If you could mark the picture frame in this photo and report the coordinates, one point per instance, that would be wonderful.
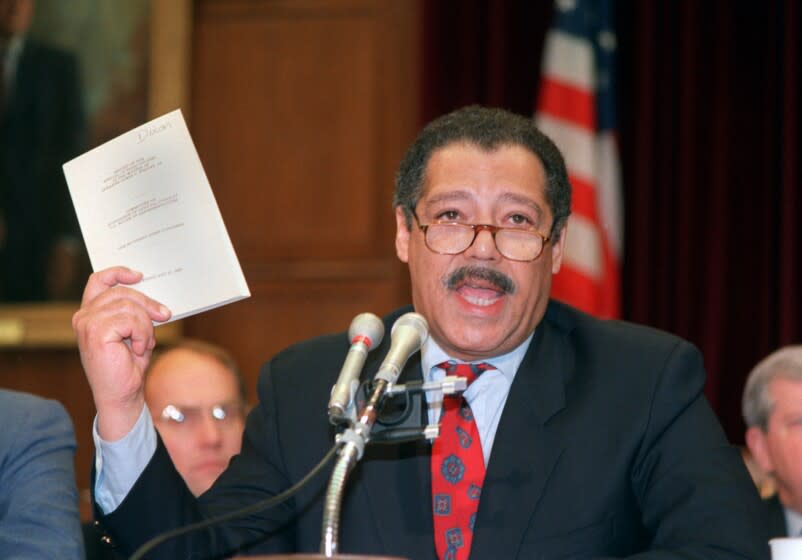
(49, 324)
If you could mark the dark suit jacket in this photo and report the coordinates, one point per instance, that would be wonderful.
(42, 126)
(94, 545)
(776, 517)
(606, 448)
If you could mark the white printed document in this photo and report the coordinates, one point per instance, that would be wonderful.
(143, 201)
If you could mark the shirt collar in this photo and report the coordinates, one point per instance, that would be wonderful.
(793, 521)
(432, 354)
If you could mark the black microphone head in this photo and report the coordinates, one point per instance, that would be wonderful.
(367, 328)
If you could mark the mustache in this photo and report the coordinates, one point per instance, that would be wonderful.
(500, 281)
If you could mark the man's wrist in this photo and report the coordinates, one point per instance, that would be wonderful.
(115, 422)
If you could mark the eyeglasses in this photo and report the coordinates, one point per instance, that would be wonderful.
(223, 414)
(452, 238)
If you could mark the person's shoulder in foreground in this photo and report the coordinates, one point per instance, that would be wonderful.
(38, 497)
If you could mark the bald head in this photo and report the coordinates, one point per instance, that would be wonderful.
(195, 396)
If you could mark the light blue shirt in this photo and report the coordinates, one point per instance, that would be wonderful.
(793, 521)
(487, 395)
(118, 464)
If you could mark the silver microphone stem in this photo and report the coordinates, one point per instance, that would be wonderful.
(355, 440)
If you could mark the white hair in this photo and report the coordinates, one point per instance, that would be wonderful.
(757, 402)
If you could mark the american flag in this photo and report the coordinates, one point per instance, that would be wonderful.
(576, 109)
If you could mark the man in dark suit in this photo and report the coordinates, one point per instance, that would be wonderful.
(42, 125)
(772, 409)
(596, 437)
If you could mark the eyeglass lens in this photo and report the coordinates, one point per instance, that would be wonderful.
(222, 413)
(453, 239)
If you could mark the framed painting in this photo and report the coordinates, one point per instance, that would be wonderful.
(133, 60)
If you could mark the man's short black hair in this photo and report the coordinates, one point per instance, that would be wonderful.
(488, 129)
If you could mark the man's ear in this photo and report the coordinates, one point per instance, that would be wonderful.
(757, 442)
(558, 250)
(401, 235)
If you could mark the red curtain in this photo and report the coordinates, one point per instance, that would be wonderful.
(711, 137)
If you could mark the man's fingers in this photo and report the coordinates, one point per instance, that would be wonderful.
(107, 278)
(122, 307)
(110, 283)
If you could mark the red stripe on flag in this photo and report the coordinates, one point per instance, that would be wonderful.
(567, 102)
(574, 288)
(610, 288)
(599, 298)
(583, 199)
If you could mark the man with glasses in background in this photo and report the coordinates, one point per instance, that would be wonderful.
(196, 397)
(576, 438)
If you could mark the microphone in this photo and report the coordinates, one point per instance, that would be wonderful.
(407, 335)
(365, 333)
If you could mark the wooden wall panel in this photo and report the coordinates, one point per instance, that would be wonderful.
(301, 111)
(288, 106)
(285, 312)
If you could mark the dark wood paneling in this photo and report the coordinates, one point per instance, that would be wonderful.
(301, 111)
(283, 312)
(288, 116)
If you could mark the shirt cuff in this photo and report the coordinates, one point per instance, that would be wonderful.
(118, 464)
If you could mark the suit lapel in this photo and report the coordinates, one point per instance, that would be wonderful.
(776, 517)
(525, 450)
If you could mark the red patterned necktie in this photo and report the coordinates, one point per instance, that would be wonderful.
(458, 470)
